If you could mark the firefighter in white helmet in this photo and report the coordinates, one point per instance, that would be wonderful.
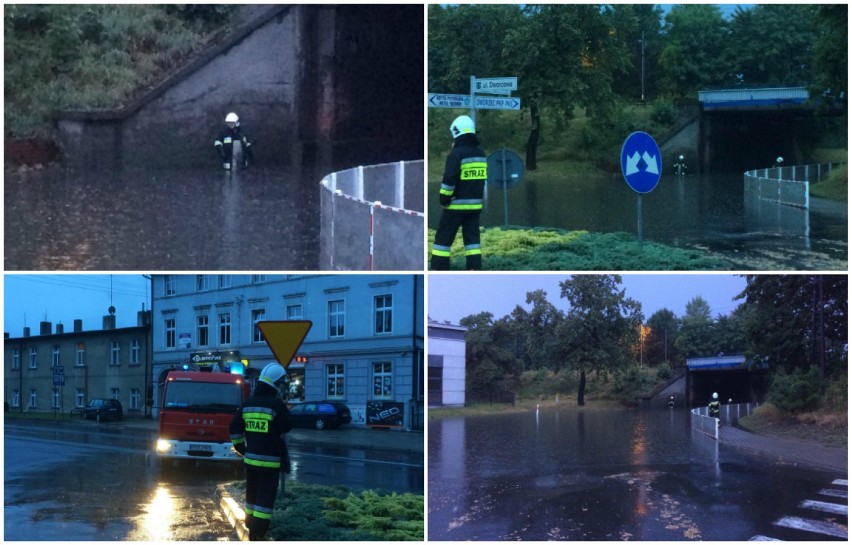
(713, 406)
(257, 433)
(231, 137)
(461, 196)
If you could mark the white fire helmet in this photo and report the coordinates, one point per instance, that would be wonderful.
(715, 395)
(462, 125)
(232, 118)
(274, 375)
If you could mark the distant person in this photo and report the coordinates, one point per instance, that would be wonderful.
(232, 140)
(680, 166)
(713, 406)
(257, 433)
(461, 196)
(671, 402)
(779, 162)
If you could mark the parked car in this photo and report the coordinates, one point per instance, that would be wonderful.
(320, 414)
(103, 409)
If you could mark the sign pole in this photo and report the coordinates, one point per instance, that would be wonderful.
(505, 189)
(473, 99)
(639, 215)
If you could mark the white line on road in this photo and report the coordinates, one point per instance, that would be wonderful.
(834, 508)
(813, 526)
(347, 459)
(840, 482)
(834, 493)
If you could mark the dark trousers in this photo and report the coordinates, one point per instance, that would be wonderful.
(261, 490)
(448, 226)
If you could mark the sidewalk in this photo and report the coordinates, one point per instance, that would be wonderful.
(796, 452)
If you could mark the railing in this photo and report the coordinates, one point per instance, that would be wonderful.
(729, 415)
(373, 218)
(785, 185)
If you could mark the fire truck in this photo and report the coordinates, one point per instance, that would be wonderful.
(197, 408)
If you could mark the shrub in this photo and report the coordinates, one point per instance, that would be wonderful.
(796, 392)
(664, 372)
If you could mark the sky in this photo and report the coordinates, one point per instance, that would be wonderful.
(30, 298)
(455, 296)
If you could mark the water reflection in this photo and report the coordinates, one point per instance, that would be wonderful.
(576, 474)
(159, 514)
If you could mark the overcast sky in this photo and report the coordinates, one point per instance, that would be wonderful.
(455, 296)
(31, 298)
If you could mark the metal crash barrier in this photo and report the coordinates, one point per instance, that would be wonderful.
(785, 185)
(373, 218)
(729, 415)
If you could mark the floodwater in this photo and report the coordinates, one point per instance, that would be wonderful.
(577, 474)
(179, 219)
(705, 212)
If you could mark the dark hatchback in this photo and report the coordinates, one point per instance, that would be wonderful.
(320, 414)
(103, 410)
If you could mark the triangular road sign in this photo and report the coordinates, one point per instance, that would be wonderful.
(284, 338)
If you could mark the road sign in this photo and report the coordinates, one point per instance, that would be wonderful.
(495, 86)
(284, 337)
(498, 103)
(448, 101)
(505, 169)
(641, 162)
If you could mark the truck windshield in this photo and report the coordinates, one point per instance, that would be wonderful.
(200, 396)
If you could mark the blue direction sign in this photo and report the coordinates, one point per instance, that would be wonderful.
(641, 162)
(436, 100)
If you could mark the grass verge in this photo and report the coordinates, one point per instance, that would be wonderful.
(308, 512)
(826, 427)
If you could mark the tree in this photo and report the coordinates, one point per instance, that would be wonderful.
(831, 59)
(539, 328)
(696, 338)
(660, 346)
(490, 365)
(694, 55)
(600, 328)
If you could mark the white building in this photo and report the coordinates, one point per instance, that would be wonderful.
(446, 364)
(365, 347)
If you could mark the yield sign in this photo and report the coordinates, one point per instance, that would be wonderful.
(284, 338)
(641, 162)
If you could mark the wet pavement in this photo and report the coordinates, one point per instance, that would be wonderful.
(576, 474)
(191, 219)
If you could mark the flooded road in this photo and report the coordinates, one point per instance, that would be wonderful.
(260, 218)
(704, 212)
(572, 474)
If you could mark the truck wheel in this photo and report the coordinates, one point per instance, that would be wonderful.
(320, 424)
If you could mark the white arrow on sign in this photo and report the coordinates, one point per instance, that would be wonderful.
(633, 163)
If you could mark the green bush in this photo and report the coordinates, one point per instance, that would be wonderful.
(796, 392)
(837, 394)
(664, 372)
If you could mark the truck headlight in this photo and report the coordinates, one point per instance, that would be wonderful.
(163, 445)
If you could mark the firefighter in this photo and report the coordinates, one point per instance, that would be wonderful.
(713, 406)
(680, 166)
(671, 402)
(257, 433)
(230, 135)
(461, 196)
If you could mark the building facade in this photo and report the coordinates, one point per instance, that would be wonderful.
(447, 365)
(365, 346)
(59, 371)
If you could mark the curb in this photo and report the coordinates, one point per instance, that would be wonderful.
(233, 512)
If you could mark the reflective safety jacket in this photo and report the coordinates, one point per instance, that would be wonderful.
(465, 173)
(224, 143)
(713, 407)
(257, 431)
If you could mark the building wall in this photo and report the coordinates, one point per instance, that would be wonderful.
(96, 378)
(450, 345)
(357, 349)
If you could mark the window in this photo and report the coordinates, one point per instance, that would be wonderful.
(382, 380)
(135, 351)
(258, 278)
(170, 333)
(80, 398)
(54, 362)
(54, 399)
(16, 398)
(224, 281)
(201, 283)
(294, 312)
(203, 326)
(335, 381)
(384, 314)
(135, 399)
(80, 359)
(33, 399)
(114, 353)
(114, 392)
(257, 316)
(33, 358)
(336, 315)
(170, 282)
(225, 328)
(16, 358)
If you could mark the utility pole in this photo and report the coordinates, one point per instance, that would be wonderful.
(642, 41)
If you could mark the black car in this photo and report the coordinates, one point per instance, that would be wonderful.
(320, 414)
(103, 409)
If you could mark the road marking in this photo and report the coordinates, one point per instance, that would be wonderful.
(347, 459)
(834, 493)
(813, 526)
(840, 482)
(763, 538)
(834, 508)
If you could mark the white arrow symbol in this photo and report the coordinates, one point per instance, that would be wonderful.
(650, 163)
(632, 164)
